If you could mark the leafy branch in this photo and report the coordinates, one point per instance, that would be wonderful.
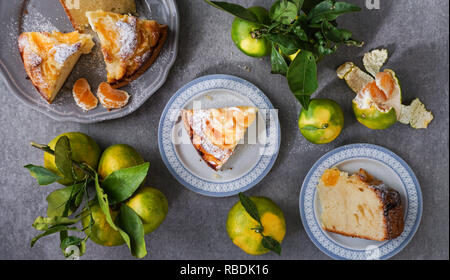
(306, 27)
(64, 202)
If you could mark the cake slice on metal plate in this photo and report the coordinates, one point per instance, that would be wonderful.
(215, 133)
(76, 9)
(49, 58)
(359, 206)
(129, 45)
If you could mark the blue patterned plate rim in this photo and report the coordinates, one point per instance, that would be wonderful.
(397, 158)
(183, 181)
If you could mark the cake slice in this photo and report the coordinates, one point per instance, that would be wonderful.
(359, 206)
(50, 57)
(215, 133)
(129, 45)
(76, 9)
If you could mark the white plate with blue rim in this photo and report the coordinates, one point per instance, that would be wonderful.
(385, 166)
(255, 154)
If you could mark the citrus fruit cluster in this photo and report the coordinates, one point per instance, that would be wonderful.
(124, 209)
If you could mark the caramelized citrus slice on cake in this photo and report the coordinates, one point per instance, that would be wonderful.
(129, 45)
(112, 98)
(215, 133)
(50, 57)
(83, 95)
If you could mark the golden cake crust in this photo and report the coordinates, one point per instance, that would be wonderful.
(129, 45)
(145, 65)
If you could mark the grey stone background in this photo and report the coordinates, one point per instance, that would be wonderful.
(416, 34)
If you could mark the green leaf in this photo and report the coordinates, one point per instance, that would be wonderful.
(130, 223)
(271, 244)
(63, 157)
(42, 174)
(121, 184)
(250, 207)
(304, 100)
(279, 65)
(302, 76)
(298, 3)
(104, 205)
(301, 34)
(312, 127)
(288, 42)
(235, 10)
(53, 230)
(60, 198)
(330, 10)
(45, 223)
(283, 11)
(309, 4)
(334, 34)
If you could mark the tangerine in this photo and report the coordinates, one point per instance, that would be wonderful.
(83, 95)
(112, 98)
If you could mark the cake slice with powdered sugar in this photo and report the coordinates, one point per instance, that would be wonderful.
(215, 133)
(129, 45)
(49, 58)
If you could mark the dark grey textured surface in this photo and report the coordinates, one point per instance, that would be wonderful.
(414, 31)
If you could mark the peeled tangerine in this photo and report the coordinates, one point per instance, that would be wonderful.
(378, 104)
(83, 95)
(112, 98)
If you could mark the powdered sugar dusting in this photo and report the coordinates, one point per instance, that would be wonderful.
(199, 119)
(63, 51)
(127, 36)
(34, 21)
(34, 59)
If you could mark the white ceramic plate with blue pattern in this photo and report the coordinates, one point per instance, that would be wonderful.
(254, 155)
(384, 165)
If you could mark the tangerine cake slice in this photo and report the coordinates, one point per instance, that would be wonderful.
(76, 9)
(129, 45)
(83, 95)
(215, 133)
(50, 57)
(359, 206)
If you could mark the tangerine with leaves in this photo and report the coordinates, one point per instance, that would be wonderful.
(84, 150)
(100, 231)
(247, 233)
(322, 122)
(151, 206)
(118, 157)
